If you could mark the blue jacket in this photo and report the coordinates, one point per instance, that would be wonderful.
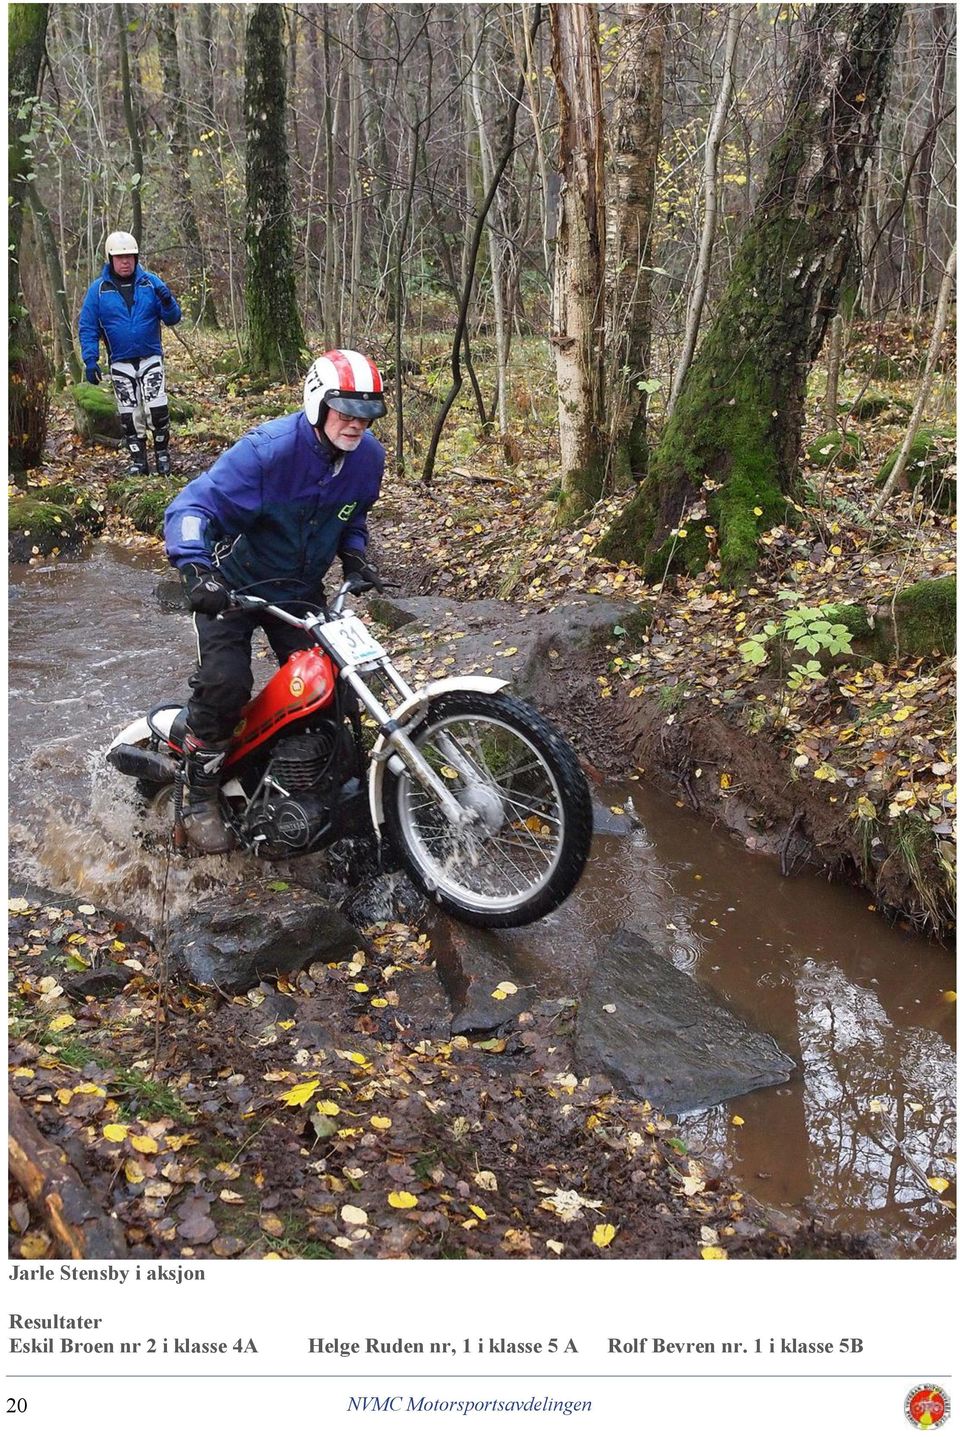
(276, 507)
(127, 333)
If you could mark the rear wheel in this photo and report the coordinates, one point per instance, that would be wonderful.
(528, 838)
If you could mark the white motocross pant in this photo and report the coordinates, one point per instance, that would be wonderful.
(140, 387)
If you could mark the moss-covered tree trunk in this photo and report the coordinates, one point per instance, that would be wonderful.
(275, 341)
(635, 143)
(199, 296)
(579, 263)
(29, 374)
(729, 452)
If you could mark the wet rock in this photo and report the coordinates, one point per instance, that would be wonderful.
(97, 982)
(472, 965)
(669, 1040)
(385, 898)
(530, 643)
(232, 940)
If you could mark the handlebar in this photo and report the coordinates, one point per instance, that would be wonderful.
(333, 610)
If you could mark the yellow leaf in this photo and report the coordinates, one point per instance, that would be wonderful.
(115, 1132)
(499, 994)
(133, 1172)
(381, 1123)
(143, 1144)
(478, 1211)
(229, 1196)
(328, 1109)
(36, 1245)
(603, 1234)
(508, 652)
(402, 1200)
(724, 780)
(379, 1003)
(63, 1020)
(949, 996)
(737, 1121)
(300, 1093)
(361, 987)
(715, 1253)
(939, 1185)
(758, 512)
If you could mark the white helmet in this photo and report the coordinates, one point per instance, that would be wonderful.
(345, 381)
(121, 243)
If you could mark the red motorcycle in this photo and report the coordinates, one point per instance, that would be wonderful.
(483, 801)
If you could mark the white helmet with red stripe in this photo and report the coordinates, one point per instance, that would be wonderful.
(345, 381)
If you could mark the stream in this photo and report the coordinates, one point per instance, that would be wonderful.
(858, 1004)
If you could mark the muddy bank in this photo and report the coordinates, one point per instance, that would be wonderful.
(745, 782)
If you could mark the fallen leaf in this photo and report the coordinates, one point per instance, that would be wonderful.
(300, 1093)
(115, 1132)
(714, 1253)
(354, 1216)
(142, 1144)
(603, 1234)
(402, 1200)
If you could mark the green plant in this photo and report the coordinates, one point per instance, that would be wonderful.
(669, 697)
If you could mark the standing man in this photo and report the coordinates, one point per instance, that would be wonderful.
(270, 516)
(125, 308)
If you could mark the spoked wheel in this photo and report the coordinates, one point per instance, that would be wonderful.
(531, 819)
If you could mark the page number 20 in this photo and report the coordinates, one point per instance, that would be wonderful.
(16, 1404)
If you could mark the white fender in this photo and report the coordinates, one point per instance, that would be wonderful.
(379, 757)
(135, 732)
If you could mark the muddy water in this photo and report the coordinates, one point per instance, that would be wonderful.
(859, 1005)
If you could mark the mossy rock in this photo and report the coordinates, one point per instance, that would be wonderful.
(868, 406)
(56, 519)
(95, 413)
(932, 453)
(835, 450)
(229, 362)
(96, 417)
(270, 411)
(878, 366)
(143, 501)
(921, 622)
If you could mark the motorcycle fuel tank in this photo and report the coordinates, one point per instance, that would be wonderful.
(299, 687)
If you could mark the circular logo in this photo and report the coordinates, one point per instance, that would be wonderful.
(297, 687)
(927, 1407)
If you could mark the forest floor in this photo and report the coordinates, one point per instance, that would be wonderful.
(207, 1131)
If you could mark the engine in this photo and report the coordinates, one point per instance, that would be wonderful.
(292, 805)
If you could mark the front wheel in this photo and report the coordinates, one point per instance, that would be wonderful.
(530, 816)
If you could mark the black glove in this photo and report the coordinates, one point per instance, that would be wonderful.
(93, 375)
(164, 293)
(355, 566)
(207, 594)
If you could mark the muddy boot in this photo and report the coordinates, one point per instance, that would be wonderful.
(161, 452)
(139, 463)
(202, 816)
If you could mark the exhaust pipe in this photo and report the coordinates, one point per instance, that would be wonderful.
(142, 763)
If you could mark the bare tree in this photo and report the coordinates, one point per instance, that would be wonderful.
(579, 261)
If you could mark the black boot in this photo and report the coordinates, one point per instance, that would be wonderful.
(203, 816)
(161, 452)
(139, 463)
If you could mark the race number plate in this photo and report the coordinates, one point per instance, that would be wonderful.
(352, 642)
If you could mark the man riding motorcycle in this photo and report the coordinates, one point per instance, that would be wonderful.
(274, 511)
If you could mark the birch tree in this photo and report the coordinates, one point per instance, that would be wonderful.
(579, 259)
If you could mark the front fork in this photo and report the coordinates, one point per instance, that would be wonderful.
(397, 743)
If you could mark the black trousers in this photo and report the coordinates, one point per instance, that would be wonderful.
(223, 681)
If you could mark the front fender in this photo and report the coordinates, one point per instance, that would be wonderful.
(136, 732)
(380, 755)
